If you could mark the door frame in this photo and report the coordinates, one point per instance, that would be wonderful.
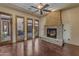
(27, 27)
(23, 28)
(8, 42)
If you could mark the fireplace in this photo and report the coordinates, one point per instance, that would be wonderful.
(52, 32)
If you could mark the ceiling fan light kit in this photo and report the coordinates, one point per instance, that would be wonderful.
(40, 6)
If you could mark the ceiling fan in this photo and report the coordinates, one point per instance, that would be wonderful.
(41, 8)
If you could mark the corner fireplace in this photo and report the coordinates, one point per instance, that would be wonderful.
(52, 32)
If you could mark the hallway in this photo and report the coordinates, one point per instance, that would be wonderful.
(41, 48)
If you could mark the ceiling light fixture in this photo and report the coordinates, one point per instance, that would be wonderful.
(40, 6)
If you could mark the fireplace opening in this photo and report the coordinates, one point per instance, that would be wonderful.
(52, 32)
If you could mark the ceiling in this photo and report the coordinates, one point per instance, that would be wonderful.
(26, 7)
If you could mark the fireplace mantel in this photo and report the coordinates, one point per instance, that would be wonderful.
(51, 25)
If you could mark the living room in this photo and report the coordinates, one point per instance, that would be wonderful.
(39, 29)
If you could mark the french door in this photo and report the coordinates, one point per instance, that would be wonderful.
(19, 28)
(5, 28)
(29, 28)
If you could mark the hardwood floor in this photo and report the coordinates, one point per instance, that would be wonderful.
(38, 48)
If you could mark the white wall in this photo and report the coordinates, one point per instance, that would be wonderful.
(70, 19)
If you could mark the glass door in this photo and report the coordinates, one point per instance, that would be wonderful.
(5, 28)
(19, 29)
(36, 28)
(29, 28)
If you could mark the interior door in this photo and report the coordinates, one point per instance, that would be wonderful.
(19, 28)
(29, 28)
(5, 28)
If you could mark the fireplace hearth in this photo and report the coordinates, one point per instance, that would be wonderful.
(52, 32)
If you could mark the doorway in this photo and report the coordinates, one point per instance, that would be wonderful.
(5, 28)
(29, 28)
(19, 28)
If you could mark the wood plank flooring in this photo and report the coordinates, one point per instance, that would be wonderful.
(38, 48)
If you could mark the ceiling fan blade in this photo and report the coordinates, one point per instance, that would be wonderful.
(36, 11)
(45, 6)
(34, 7)
(47, 10)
